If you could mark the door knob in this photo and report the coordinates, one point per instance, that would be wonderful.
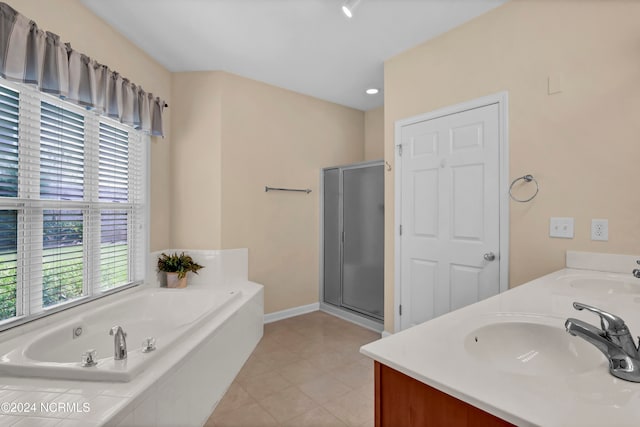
(490, 256)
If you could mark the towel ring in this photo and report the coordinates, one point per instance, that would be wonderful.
(525, 178)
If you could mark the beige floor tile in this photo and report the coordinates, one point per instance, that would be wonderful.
(367, 390)
(353, 408)
(354, 375)
(301, 372)
(253, 367)
(250, 415)
(262, 386)
(279, 358)
(324, 389)
(236, 397)
(318, 417)
(331, 360)
(287, 404)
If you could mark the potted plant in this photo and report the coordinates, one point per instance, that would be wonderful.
(176, 267)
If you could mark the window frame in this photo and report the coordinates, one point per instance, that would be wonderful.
(30, 207)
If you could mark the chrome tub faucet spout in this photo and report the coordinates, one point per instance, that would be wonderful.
(613, 339)
(119, 343)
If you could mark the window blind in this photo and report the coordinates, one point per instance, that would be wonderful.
(8, 263)
(61, 153)
(72, 204)
(9, 104)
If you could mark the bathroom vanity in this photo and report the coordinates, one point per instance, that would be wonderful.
(508, 360)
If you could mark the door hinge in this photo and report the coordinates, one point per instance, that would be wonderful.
(401, 229)
(400, 309)
(400, 150)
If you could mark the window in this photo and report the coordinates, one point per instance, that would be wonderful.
(72, 205)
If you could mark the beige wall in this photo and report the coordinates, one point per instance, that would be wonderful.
(243, 135)
(196, 160)
(374, 134)
(582, 144)
(90, 35)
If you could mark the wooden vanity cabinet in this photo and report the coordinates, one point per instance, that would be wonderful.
(401, 401)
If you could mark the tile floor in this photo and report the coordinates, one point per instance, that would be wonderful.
(306, 371)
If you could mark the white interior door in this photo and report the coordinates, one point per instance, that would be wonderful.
(450, 213)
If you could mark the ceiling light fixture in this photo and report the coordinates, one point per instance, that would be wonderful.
(372, 91)
(349, 6)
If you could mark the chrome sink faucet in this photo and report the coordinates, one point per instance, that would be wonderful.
(119, 343)
(613, 339)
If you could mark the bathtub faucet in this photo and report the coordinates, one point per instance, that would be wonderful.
(119, 343)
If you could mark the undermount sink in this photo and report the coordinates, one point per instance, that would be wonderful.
(608, 286)
(532, 346)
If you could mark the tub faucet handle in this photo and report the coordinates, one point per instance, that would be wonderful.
(149, 345)
(89, 358)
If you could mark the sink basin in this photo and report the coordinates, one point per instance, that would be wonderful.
(534, 347)
(608, 286)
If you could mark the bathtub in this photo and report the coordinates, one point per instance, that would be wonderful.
(204, 335)
(168, 315)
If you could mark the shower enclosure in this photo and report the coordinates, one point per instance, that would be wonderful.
(353, 241)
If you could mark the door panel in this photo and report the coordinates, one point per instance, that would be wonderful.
(423, 279)
(425, 212)
(450, 211)
(467, 216)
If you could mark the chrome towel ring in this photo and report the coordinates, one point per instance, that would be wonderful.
(525, 178)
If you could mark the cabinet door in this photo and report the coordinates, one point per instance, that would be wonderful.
(363, 258)
(403, 401)
(332, 264)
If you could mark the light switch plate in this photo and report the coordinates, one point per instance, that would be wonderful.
(561, 227)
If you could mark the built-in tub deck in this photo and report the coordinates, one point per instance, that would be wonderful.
(218, 319)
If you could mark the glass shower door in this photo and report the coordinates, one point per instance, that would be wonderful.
(363, 245)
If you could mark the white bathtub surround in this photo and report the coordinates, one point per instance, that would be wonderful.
(178, 386)
(223, 266)
(451, 353)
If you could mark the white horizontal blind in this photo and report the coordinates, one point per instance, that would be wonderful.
(61, 153)
(72, 203)
(113, 187)
(8, 262)
(9, 104)
(9, 112)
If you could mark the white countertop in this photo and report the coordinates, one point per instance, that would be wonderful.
(434, 353)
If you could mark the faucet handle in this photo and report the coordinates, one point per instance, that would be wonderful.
(610, 323)
(89, 358)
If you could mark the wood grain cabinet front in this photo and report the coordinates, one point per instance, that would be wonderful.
(401, 401)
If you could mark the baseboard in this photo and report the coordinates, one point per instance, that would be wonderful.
(291, 312)
(352, 317)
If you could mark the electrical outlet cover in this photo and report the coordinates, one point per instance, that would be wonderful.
(600, 229)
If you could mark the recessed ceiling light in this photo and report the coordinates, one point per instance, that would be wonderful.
(349, 6)
(372, 91)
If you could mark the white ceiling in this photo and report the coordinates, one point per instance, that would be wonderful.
(307, 46)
